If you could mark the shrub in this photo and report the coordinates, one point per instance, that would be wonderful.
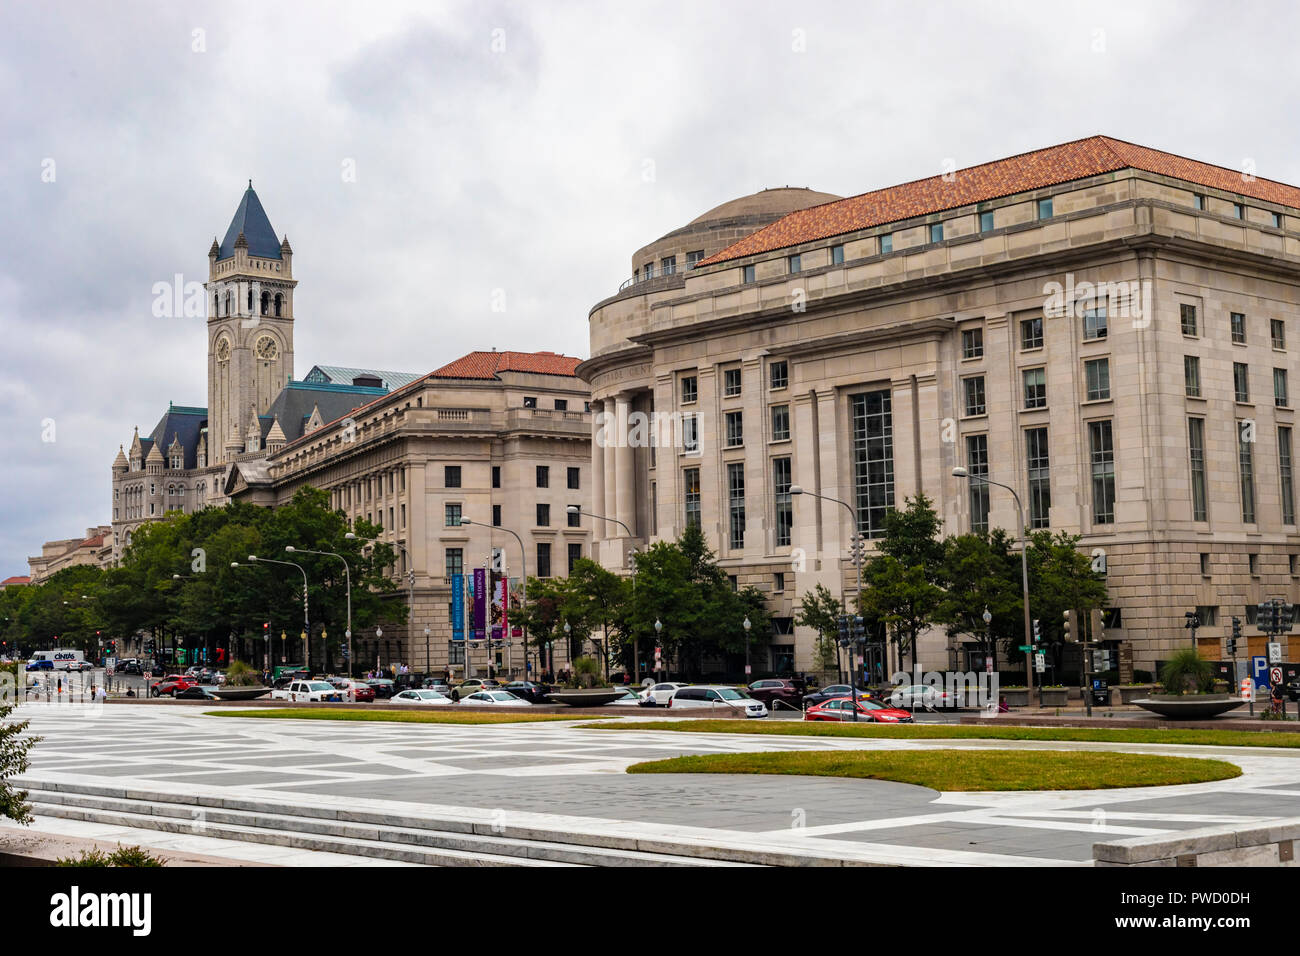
(1186, 670)
(13, 762)
(241, 674)
(123, 856)
(587, 671)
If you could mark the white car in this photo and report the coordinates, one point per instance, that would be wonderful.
(717, 698)
(308, 690)
(658, 695)
(80, 666)
(495, 698)
(922, 695)
(628, 699)
(420, 698)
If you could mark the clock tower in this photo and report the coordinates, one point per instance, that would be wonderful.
(250, 326)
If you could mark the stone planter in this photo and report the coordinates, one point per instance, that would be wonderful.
(1189, 706)
(1055, 696)
(1129, 694)
(1016, 696)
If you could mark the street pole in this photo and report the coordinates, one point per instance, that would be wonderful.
(306, 619)
(347, 575)
(523, 553)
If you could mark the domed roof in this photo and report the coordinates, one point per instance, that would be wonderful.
(774, 203)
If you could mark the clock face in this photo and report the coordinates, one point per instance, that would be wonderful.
(223, 350)
(266, 348)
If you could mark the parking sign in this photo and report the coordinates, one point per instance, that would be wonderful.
(1259, 672)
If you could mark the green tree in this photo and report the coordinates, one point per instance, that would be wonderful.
(1061, 578)
(980, 572)
(14, 747)
(598, 601)
(820, 610)
(903, 580)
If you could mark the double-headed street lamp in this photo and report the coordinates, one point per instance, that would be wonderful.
(347, 573)
(631, 563)
(960, 472)
(523, 551)
(306, 618)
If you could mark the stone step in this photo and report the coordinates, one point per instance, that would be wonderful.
(382, 837)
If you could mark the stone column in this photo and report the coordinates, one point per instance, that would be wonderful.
(604, 530)
(625, 457)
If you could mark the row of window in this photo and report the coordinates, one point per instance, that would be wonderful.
(561, 404)
(451, 476)
(269, 305)
(454, 559)
(453, 511)
(778, 378)
(667, 266)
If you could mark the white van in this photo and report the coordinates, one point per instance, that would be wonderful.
(65, 658)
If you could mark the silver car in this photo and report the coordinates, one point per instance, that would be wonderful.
(717, 698)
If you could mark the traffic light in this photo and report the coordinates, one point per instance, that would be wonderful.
(1098, 623)
(1038, 631)
(1068, 634)
(1264, 617)
(859, 629)
(1236, 636)
(1286, 616)
(858, 550)
(844, 629)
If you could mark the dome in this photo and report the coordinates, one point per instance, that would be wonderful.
(770, 204)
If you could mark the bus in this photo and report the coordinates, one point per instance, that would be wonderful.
(62, 658)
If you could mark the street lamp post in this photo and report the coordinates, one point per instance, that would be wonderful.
(746, 625)
(306, 617)
(857, 562)
(347, 574)
(577, 510)
(659, 629)
(506, 601)
(960, 472)
(568, 646)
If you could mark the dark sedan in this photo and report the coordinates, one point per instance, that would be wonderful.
(830, 693)
(770, 690)
(383, 687)
(527, 690)
(195, 693)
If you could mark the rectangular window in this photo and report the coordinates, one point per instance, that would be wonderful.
(1286, 475)
(1102, 458)
(1035, 381)
(736, 505)
(1198, 201)
(496, 516)
(735, 429)
(454, 561)
(795, 264)
(691, 486)
(691, 434)
(690, 389)
(973, 389)
(694, 257)
(451, 476)
(731, 382)
(781, 482)
(1045, 208)
(1040, 484)
(1097, 374)
(530, 401)
(747, 274)
(778, 581)
(1280, 398)
(1238, 211)
(1187, 314)
(1277, 331)
(1237, 323)
(1094, 324)
(837, 255)
(1192, 376)
(1241, 381)
(574, 517)
(575, 555)
(986, 222)
(543, 516)
(561, 404)
(936, 232)
(668, 266)
(1246, 463)
(543, 559)
(778, 375)
(872, 422)
(1196, 455)
(977, 464)
(1276, 219)
(886, 243)
(496, 476)
(1031, 333)
(575, 478)
(972, 343)
(543, 476)
(452, 515)
(780, 422)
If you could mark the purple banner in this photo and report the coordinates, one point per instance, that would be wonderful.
(480, 603)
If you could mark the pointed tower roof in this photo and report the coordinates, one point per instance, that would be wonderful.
(154, 455)
(251, 223)
(119, 463)
(276, 433)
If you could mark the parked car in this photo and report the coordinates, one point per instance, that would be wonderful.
(309, 691)
(438, 684)
(868, 710)
(40, 665)
(658, 695)
(629, 699)
(1293, 690)
(495, 698)
(830, 692)
(474, 685)
(170, 685)
(717, 697)
(157, 670)
(131, 667)
(527, 690)
(789, 691)
(923, 695)
(421, 697)
(383, 688)
(80, 666)
(196, 692)
(354, 690)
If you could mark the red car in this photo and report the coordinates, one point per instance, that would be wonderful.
(170, 685)
(841, 708)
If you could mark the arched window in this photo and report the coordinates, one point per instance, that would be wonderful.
(250, 300)
(216, 303)
(279, 300)
(266, 302)
(230, 301)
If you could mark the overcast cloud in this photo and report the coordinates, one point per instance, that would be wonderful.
(518, 169)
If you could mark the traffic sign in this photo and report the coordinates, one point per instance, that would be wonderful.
(1275, 675)
(988, 664)
(1026, 647)
(1275, 652)
(1259, 671)
(1040, 662)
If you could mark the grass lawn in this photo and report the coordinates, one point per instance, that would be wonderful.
(1135, 735)
(965, 769)
(393, 716)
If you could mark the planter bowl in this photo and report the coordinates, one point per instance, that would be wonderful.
(1189, 706)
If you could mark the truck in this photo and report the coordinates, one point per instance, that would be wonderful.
(63, 659)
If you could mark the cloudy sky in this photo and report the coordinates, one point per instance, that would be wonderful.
(528, 147)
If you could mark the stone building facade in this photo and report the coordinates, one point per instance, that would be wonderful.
(1106, 328)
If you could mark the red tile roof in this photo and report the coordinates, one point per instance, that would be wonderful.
(1004, 177)
(487, 365)
(16, 579)
(96, 542)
